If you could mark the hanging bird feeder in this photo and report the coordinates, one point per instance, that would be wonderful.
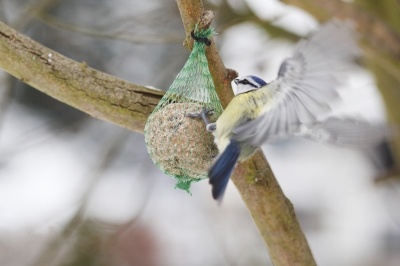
(180, 145)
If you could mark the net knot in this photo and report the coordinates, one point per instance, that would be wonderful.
(200, 39)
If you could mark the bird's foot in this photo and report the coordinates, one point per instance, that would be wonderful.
(203, 114)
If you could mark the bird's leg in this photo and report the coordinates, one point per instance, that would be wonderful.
(203, 114)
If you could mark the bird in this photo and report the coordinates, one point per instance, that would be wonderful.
(306, 84)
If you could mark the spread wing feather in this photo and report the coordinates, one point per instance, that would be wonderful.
(306, 84)
(348, 132)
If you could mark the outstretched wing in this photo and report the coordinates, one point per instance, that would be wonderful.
(306, 84)
(348, 132)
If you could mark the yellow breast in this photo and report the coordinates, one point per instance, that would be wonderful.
(243, 107)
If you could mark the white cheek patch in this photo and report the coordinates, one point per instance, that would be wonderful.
(244, 88)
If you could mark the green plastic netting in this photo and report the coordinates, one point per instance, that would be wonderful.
(180, 145)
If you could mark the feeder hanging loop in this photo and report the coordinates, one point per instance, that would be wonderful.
(197, 39)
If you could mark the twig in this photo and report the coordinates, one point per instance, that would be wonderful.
(130, 38)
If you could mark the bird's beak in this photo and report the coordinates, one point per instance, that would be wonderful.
(236, 81)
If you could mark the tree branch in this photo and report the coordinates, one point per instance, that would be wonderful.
(271, 211)
(93, 92)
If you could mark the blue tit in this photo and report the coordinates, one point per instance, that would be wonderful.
(264, 112)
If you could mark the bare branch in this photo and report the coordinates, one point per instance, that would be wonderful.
(93, 92)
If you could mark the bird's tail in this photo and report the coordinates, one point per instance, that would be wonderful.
(383, 159)
(222, 168)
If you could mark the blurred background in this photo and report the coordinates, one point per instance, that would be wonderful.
(79, 191)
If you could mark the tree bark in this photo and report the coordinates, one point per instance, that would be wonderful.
(96, 93)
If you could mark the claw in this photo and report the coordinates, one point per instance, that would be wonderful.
(208, 112)
(203, 114)
(193, 115)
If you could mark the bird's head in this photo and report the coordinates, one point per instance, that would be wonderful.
(248, 83)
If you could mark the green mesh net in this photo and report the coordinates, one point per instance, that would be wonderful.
(180, 145)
